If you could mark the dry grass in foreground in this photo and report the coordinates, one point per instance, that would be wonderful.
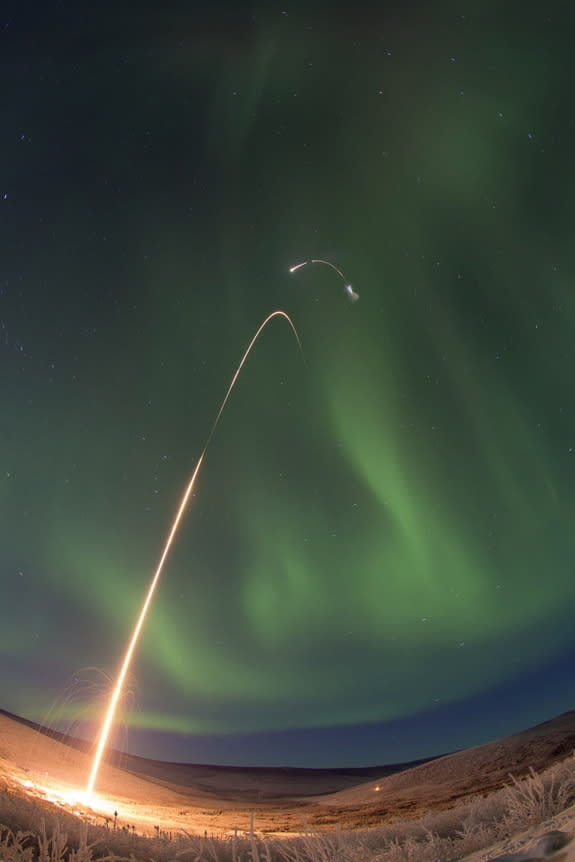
(44, 834)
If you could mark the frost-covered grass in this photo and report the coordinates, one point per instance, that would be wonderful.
(34, 833)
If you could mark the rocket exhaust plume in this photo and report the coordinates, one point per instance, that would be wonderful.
(108, 720)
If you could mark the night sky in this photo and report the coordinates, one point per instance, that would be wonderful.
(378, 560)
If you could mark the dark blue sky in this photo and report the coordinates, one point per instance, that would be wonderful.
(377, 561)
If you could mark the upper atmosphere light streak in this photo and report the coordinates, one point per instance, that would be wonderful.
(347, 287)
(108, 720)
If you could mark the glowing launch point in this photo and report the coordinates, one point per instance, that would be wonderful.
(79, 800)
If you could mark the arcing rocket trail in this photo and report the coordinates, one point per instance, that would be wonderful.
(350, 292)
(110, 714)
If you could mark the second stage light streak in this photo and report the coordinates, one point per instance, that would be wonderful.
(110, 714)
(350, 292)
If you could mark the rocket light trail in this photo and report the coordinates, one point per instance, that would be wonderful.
(108, 720)
(347, 287)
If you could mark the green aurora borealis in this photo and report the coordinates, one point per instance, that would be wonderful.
(383, 526)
